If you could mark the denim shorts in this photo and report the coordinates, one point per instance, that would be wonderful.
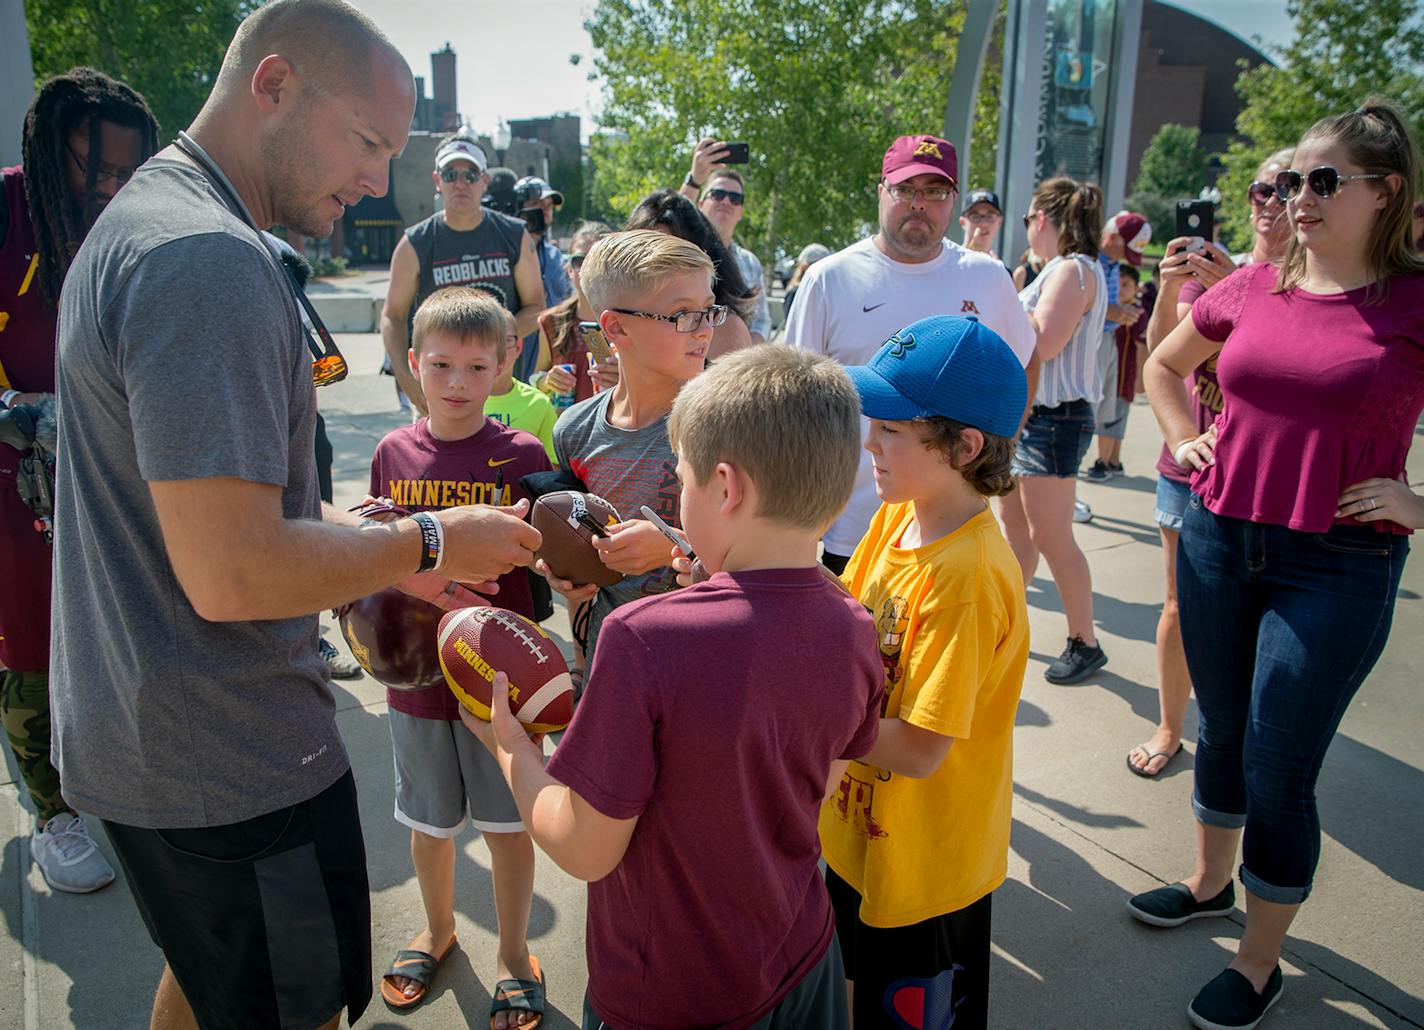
(1054, 440)
(1171, 503)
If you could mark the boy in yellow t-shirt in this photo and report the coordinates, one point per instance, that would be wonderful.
(518, 405)
(917, 835)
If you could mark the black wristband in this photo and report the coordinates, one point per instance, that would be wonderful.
(432, 541)
(688, 180)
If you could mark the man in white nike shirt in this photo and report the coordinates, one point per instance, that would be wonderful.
(850, 302)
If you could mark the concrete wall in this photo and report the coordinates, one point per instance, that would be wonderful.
(17, 79)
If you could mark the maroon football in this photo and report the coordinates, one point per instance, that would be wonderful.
(566, 520)
(395, 637)
(476, 643)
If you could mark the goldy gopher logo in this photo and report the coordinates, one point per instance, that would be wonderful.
(928, 148)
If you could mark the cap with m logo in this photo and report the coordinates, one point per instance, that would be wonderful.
(910, 156)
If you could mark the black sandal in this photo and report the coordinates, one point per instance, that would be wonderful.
(521, 996)
(419, 966)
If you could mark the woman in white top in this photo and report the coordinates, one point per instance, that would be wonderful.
(1066, 303)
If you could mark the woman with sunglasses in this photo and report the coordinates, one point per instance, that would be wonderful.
(1066, 303)
(1297, 530)
(1186, 272)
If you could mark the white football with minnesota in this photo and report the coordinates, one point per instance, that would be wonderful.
(475, 643)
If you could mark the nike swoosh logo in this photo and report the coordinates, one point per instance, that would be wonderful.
(496, 464)
(409, 962)
(872, 307)
(514, 994)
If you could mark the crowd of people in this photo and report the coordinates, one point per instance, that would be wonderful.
(864, 502)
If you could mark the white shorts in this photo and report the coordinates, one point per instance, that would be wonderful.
(446, 780)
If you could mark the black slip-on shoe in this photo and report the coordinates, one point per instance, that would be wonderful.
(1174, 905)
(1078, 661)
(1229, 1002)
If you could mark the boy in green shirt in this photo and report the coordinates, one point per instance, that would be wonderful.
(519, 405)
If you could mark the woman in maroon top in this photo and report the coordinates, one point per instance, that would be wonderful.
(1297, 529)
(1185, 275)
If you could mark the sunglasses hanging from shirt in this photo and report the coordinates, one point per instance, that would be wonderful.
(328, 366)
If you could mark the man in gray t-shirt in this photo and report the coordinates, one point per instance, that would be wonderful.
(189, 705)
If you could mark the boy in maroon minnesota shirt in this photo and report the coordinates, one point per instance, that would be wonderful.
(715, 721)
(444, 779)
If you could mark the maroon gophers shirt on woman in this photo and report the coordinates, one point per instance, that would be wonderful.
(713, 715)
(420, 473)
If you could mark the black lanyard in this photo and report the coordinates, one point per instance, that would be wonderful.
(329, 366)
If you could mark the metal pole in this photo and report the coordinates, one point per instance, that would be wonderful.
(964, 88)
(17, 78)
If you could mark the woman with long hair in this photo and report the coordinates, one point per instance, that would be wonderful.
(1066, 302)
(1297, 529)
(560, 343)
(670, 212)
(1187, 273)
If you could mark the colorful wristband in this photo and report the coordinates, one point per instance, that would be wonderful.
(432, 539)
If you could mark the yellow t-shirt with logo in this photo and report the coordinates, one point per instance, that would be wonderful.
(953, 631)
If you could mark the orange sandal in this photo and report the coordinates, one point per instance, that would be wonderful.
(521, 996)
(419, 966)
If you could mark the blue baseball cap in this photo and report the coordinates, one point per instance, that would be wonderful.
(947, 366)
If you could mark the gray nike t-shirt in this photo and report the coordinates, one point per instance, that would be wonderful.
(628, 468)
(180, 357)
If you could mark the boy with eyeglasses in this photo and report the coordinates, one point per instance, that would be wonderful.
(465, 244)
(653, 296)
(722, 202)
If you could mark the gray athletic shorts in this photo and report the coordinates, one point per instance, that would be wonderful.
(446, 780)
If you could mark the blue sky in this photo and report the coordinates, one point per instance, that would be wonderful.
(534, 77)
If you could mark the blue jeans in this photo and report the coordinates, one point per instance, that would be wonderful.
(1054, 440)
(1281, 628)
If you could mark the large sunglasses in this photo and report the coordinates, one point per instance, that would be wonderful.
(1260, 192)
(451, 174)
(328, 366)
(684, 321)
(730, 196)
(1324, 182)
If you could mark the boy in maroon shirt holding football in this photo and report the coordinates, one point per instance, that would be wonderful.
(444, 780)
(715, 721)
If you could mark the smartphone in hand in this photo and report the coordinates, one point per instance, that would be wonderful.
(592, 335)
(737, 154)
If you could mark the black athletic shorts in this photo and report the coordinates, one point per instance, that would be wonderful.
(933, 974)
(265, 923)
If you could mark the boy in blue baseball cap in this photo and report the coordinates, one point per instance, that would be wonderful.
(917, 836)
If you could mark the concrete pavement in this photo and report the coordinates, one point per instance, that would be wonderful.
(1086, 833)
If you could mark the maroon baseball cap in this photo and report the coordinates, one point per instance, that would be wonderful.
(910, 156)
(1136, 233)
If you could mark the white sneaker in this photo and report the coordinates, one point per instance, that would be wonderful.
(68, 856)
(1081, 512)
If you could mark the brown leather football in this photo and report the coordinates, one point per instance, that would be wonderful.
(565, 520)
(395, 637)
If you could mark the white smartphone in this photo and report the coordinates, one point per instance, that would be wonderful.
(678, 540)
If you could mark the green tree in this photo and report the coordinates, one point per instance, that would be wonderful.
(817, 87)
(1173, 168)
(1342, 52)
(168, 50)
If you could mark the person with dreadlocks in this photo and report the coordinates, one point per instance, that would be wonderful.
(84, 136)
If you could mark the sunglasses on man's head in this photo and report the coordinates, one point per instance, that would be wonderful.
(451, 174)
(1324, 182)
(730, 196)
(1260, 192)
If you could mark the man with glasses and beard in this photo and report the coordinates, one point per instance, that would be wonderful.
(84, 137)
(466, 244)
(191, 710)
(722, 203)
(852, 301)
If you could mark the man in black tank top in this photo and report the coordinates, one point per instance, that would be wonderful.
(464, 245)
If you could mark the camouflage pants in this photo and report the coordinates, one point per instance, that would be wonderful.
(24, 709)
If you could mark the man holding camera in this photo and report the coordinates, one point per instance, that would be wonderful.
(722, 203)
(466, 244)
(538, 201)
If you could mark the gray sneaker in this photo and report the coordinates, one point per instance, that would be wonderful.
(1081, 512)
(68, 856)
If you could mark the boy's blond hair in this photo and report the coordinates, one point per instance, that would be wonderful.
(623, 267)
(787, 418)
(463, 312)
